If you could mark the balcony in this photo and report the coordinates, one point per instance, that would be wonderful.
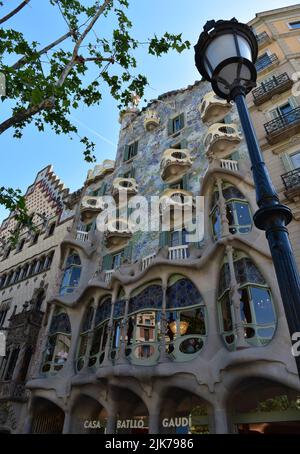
(175, 164)
(221, 140)
(12, 391)
(124, 186)
(151, 120)
(82, 236)
(266, 62)
(118, 233)
(101, 170)
(146, 261)
(90, 207)
(263, 39)
(283, 126)
(228, 164)
(291, 181)
(179, 252)
(213, 109)
(108, 275)
(275, 86)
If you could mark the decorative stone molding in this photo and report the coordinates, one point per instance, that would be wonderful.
(118, 233)
(90, 207)
(221, 139)
(175, 164)
(128, 185)
(213, 109)
(151, 120)
(99, 171)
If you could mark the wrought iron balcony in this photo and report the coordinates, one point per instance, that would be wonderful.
(277, 85)
(263, 39)
(291, 180)
(283, 126)
(266, 62)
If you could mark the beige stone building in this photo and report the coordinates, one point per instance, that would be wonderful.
(150, 331)
(28, 276)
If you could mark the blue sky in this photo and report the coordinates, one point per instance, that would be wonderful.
(21, 159)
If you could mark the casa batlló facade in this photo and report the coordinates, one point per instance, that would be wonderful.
(146, 332)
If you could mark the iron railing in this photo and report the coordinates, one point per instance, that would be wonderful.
(265, 61)
(263, 38)
(275, 85)
(283, 121)
(291, 179)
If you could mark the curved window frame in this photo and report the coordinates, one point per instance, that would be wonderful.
(230, 202)
(57, 359)
(71, 275)
(229, 336)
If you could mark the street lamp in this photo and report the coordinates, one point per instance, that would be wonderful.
(225, 55)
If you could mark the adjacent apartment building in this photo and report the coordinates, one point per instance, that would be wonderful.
(28, 277)
(147, 332)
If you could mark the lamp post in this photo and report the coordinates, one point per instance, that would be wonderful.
(225, 55)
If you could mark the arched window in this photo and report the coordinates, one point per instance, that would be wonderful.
(143, 329)
(100, 331)
(256, 306)
(237, 211)
(32, 268)
(58, 342)
(24, 271)
(72, 272)
(186, 319)
(85, 338)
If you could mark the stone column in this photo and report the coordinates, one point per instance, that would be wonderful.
(122, 349)
(111, 422)
(222, 208)
(107, 360)
(154, 419)
(69, 366)
(67, 423)
(163, 354)
(220, 421)
(235, 298)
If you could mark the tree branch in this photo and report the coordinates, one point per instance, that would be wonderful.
(23, 60)
(15, 11)
(49, 103)
(81, 38)
(26, 114)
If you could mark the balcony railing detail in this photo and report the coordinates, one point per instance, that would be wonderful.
(108, 276)
(291, 180)
(283, 122)
(278, 84)
(179, 252)
(146, 261)
(82, 236)
(228, 164)
(263, 38)
(265, 62)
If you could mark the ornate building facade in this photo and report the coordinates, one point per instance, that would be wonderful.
(149, 333)
(28, 274)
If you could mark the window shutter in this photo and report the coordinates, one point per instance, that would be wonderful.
(293, 102)
(127, 253)
(287, 162)
(126, 153)
(132, 172)
(181, 117)
(164, 239)
(170, 127)
(184, 144)
(136, 147)
(107, 262)
(185, 182)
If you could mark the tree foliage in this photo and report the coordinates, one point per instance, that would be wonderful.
(45, 83)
